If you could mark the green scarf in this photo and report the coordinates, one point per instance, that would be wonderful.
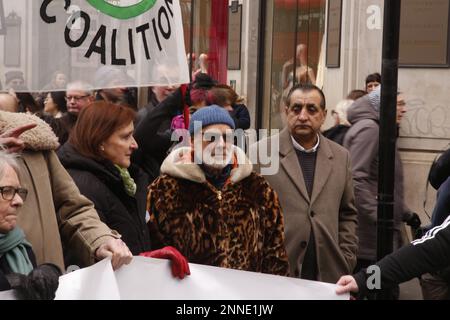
(13, 247)
(128, 182)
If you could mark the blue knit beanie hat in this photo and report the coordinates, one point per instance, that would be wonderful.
(210, 115)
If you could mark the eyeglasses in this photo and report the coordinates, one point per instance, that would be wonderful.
(9, 192)
(69, 98)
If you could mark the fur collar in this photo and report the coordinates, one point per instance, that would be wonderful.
(178, 164)
(40, 138)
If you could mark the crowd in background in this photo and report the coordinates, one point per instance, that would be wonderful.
(95, 175)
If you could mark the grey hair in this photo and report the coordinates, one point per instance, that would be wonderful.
(80, 85)
(7, 159)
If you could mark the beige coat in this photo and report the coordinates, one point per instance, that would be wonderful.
(54, 209)
(330, 212)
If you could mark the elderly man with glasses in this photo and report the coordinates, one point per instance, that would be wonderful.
(78, 96)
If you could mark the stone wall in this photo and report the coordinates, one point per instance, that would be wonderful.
(425, 130)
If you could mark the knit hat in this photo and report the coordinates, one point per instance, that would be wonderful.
(208, 116)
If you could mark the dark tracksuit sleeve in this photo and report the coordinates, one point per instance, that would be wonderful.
(429, 254)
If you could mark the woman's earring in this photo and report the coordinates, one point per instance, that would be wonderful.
(102, 148)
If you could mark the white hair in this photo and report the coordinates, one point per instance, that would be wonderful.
(80, 85)
(7, 159)
(341, 110)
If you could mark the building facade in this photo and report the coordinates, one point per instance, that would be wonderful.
(341, 42)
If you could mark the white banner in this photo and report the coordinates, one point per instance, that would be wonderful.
(8, 295)
(45, 44)
(151, 279)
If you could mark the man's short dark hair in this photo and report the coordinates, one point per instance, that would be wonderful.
(306, 88)
(374, 77)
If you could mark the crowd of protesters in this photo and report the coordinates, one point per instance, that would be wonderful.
(85, 175)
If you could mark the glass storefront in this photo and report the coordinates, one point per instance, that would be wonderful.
(293, 31)
(294, 35)
(205, 25)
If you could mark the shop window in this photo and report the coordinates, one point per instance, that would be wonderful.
(294, 38)
(205, 25)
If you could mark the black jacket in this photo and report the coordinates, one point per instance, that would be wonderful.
(153, 134)
(142, 113)
(5, 269)
(4, 284)
(429, 254)
(337, 133)
(63, 126)
(241, 116)
(440, 170)
(102, 184)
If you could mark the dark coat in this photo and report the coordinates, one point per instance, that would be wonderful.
(142, 113)
(440, 170)
(101, 183)
(439, 178)
(153, 134)
(5, 269)
(4, 284)
(336, 133)
(241, 116)
(63, 126)
(362, 141)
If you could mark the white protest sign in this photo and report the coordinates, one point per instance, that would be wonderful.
(8, 295)
(151, 279)
(106, 43)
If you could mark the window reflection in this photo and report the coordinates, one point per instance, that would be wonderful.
(208, 50)
(297, 34)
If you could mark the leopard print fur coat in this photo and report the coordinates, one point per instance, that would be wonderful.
(238, 227)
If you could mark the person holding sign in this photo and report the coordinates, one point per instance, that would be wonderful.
(210, 205)
(55, 215)
(97, 156)
(18, 268)
(431, 253)
(315, 185)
